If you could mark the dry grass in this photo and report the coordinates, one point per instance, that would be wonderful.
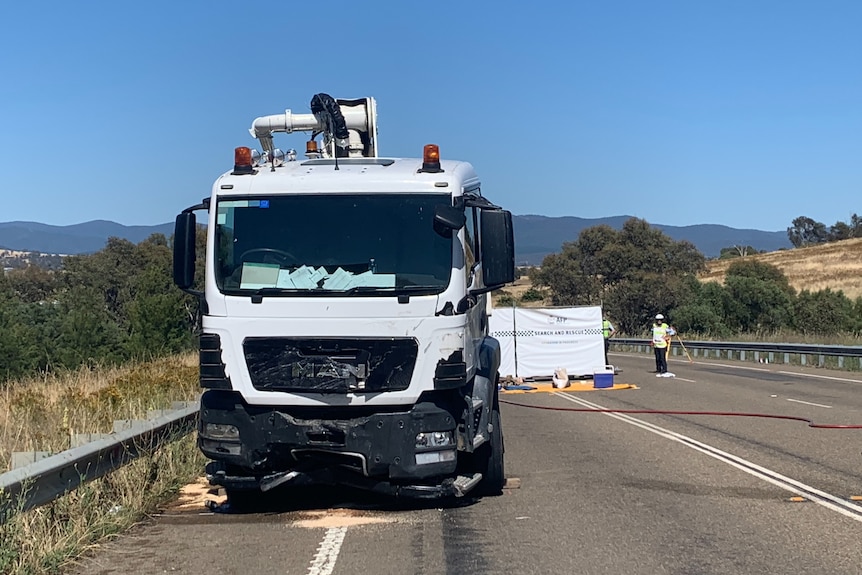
(836, 265)
(517, 291)
(41, 413)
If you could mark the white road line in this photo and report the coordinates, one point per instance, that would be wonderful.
(816, 376)
(327, 552)
(822, 498)
(732, 366)
(684, 379)
(809, 403)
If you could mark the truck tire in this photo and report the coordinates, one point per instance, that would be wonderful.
(243, 500)
(491, 458)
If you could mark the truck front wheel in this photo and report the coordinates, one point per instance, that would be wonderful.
(490, 458)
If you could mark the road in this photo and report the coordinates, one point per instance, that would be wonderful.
(591, 493)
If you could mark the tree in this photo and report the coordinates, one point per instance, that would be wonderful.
(840, 231)
(633, 273)
(704, 312)
(563, 274)
(635, 302)
(701, 319)
(760, 296)
(110, 272)
(759, 270)
(157, 314)
(804, 232)
(32, 284)
(825, 312)
(736, 251)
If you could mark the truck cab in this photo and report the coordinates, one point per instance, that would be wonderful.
(344, 314)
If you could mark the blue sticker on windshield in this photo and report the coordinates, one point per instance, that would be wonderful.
(264, 203)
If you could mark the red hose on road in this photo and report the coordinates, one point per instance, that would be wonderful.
(672, 412)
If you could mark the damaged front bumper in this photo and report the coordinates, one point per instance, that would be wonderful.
(457, 486)
(410, 453)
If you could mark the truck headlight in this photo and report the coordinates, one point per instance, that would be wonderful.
(434, 439)
(220, 432)
(435, 456)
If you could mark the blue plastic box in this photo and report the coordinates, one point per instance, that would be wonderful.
(603, 378)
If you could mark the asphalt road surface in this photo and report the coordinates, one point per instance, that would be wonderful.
(591, 493)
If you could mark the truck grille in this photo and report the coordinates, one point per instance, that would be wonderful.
(324, 365)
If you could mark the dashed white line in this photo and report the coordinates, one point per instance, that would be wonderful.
(809, 403)
(327, 552)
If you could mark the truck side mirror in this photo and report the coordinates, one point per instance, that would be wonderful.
(448, 218)
(497, 242)
(184, 250)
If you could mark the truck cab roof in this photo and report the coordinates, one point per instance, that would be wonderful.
(331, 175)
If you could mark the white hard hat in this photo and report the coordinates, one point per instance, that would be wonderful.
(659, 316)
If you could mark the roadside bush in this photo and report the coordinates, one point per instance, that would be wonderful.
(825, 312)
(701, 319)
(504, 299)
(532, 294)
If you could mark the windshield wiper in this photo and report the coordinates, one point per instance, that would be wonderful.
(364, 289)
(257, 296)
(418, 289)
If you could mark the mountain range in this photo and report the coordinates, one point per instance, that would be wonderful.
(535, 236)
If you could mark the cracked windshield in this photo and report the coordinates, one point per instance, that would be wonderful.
(331, 244)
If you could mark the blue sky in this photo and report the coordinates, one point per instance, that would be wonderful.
(746, 113)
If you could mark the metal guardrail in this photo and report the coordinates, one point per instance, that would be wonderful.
(47, 479)
(772, 351)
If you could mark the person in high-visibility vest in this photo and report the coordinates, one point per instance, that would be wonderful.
(661, 336)
(608, 330)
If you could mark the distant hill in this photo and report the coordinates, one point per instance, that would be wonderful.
(76, 239)
(535, 236)
(538, 236)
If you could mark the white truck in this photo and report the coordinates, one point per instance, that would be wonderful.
(344, 331)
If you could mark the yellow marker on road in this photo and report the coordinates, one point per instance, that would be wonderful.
(586, 385)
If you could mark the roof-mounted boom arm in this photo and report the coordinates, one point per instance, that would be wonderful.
(360, 117)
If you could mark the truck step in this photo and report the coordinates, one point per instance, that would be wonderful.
(464, 483)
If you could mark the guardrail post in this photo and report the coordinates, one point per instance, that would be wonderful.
(79, 439)
(121, 425)
(742, 355)
(24, 458)
(841, 362)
